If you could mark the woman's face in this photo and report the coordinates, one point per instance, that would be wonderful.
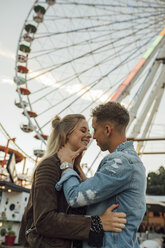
(80, 136)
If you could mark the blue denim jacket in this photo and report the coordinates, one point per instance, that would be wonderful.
(120, 178)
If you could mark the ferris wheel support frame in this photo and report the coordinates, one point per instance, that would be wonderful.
(147, 83)
(146, 139)
(157, 88)
(128, 83)
(152, 115)
(142, 92)
(151, 153)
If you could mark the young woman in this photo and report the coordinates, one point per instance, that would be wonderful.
(48, 221)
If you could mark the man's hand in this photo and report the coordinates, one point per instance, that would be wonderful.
(113, 221)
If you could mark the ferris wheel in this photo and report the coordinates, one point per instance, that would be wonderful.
(73, 55)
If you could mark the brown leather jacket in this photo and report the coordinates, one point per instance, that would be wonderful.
(47, 212)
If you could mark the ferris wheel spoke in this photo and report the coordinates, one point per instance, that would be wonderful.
(62, 99)
(81, 43)
(98, 81)
(46, 70)
(79, 55)
(80, 91)
(123, 5)
(97, 26)
(89, 40)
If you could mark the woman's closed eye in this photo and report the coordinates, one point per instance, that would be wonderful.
(83, 130)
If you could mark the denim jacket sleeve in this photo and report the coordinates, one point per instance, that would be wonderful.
(114, 176)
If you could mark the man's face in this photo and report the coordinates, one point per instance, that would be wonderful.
(100, 134)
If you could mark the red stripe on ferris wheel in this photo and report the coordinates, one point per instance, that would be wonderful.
(130, 76)
(127, 80)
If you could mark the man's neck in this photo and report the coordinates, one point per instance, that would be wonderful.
(116, 143)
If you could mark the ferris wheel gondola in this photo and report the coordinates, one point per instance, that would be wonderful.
(73, 55)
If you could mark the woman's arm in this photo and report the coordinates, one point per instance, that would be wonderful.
(49, 219)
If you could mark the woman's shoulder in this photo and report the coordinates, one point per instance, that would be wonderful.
(49, 164)
(48, 171)
(51, 159)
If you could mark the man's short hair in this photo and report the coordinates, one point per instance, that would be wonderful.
(113, 112)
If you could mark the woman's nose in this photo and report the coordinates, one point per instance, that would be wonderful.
(89, 135)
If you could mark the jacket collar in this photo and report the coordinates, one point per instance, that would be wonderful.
(124, 146)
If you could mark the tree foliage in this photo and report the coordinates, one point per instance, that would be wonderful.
(156, 182)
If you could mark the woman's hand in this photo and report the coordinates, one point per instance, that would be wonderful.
(113, 221)
(65, 154)
(78, 160)
(77, 167)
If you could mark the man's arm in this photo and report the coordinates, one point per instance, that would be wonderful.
(108, 181)
(48, 219)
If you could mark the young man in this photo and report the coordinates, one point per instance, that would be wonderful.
(120, 177)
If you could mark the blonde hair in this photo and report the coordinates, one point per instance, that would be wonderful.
(61, 128)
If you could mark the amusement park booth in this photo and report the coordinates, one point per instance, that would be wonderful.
(13, 197)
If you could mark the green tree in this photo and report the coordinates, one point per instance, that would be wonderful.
(156, 182)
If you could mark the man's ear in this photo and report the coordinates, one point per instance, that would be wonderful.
(108, 129)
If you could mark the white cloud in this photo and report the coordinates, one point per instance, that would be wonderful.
(6, 80)
(5, 52)
(78, 88)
